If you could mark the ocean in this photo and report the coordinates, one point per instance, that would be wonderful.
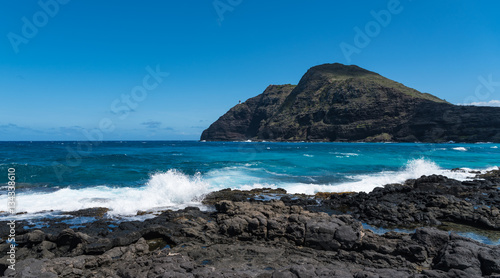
(132, 176)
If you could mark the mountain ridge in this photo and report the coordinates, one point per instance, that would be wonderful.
(335, 102)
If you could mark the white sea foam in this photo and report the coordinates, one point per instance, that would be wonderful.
(366, 183)
(494, 147)
(460, 149)
(175, 190)
(236, 177)
(340, 154)
(171, 189)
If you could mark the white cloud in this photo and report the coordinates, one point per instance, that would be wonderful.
(493, 102)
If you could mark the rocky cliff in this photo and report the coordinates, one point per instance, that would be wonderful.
(335, 102)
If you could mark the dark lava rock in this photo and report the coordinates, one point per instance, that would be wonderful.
(252, 234)
(249, 239)
(335, 102)
(428, 200)
(90, 212)
(243, 195)
(493, 176)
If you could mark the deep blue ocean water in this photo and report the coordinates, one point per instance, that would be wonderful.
(147, 175)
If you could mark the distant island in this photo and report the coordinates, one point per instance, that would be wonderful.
(346, 103)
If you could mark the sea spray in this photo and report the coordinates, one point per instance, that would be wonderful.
(127, 177)
(413, 169)
(168, 190)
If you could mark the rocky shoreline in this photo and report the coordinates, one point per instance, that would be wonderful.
(268, 233)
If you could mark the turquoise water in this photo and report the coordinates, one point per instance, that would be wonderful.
(131, 176)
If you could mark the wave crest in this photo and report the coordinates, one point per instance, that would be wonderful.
(171, 189)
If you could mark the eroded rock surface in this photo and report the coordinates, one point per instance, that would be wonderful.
(429, 200)
(297, 236)
(250, 239)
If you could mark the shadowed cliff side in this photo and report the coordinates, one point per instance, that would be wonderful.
(244, 120)
(334, 102)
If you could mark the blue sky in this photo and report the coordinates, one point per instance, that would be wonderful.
(68, 68)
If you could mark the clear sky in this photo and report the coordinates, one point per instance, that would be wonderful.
(72, 70)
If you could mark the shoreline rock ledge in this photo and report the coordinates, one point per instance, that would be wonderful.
(336, 102)
(251, 239)
(244, 235)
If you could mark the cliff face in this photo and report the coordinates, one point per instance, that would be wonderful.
(244, 120)
(334, 102)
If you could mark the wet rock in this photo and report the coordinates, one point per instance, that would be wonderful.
(268, 239)
(429, 200)
(243, 195)
(99, 212)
